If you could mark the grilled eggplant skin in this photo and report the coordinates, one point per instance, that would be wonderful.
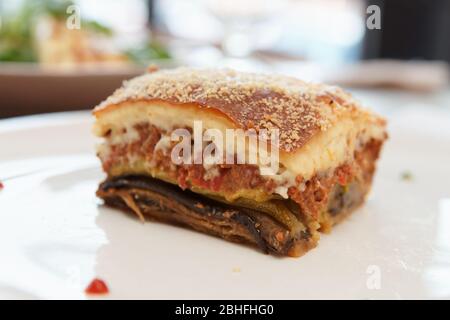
(161, 201)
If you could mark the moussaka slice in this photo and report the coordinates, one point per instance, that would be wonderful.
(259, 159)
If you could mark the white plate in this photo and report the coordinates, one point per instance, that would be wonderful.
(55, 236)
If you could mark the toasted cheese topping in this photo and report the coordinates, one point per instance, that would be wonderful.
(300, 110)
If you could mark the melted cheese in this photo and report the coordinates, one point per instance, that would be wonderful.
(325, 151)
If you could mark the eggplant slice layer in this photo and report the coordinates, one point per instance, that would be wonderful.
(161, 201)
(165, 202)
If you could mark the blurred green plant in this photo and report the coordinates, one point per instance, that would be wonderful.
(147, 52)
(55, 8)
(17, 32)
(58, 10)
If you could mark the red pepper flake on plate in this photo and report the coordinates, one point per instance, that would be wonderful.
(97, 286)
(1, 186)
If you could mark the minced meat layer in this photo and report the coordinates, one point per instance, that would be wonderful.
(312, 195)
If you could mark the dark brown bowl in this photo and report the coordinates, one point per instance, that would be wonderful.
(30, 89)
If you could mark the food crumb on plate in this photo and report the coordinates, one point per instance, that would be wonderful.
(406, 176)
(1, 186)
(97, 286)
(236, 270)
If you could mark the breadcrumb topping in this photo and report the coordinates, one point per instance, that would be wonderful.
(297, 108)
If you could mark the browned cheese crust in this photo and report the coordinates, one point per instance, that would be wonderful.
(251, 101)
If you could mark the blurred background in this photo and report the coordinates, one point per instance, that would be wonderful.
(60, 55)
